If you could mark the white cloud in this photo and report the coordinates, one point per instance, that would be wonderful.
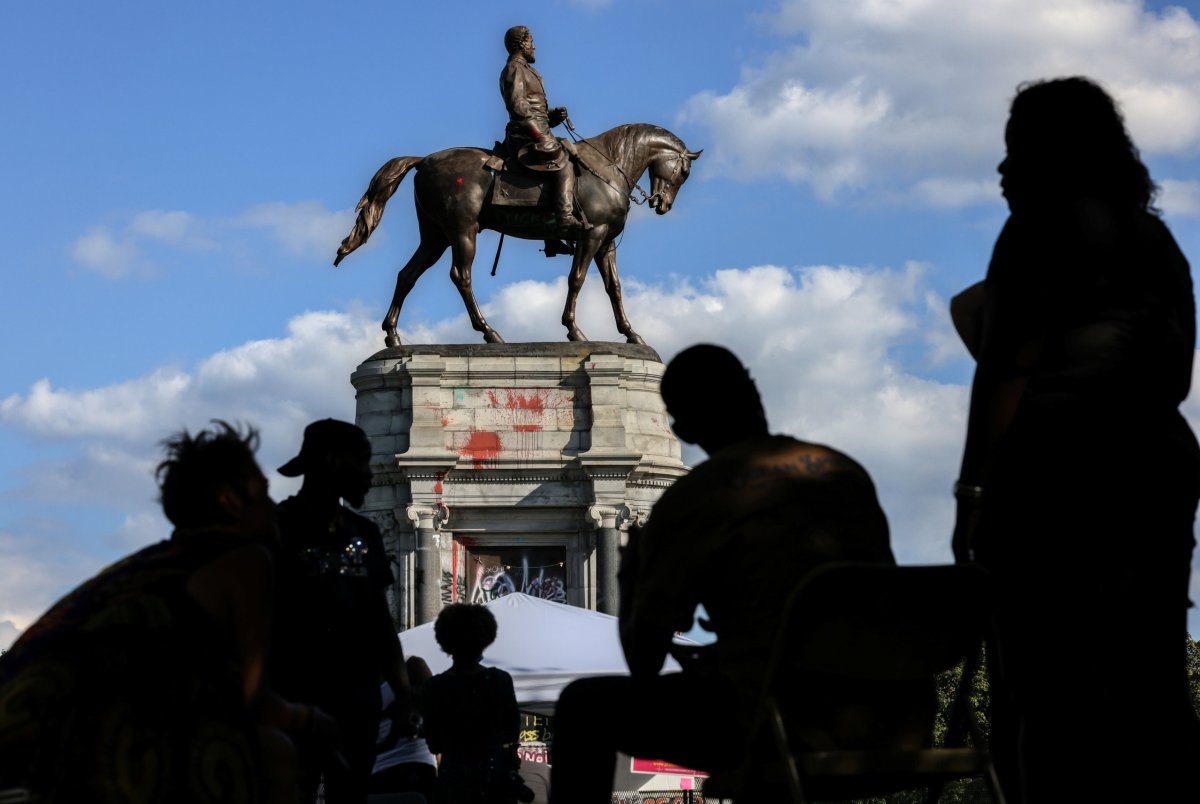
(35, 570)
(141, 528)
(101, 470)
(123, 410)
(942, 343)
(304, 229)
(908, 98)
(109, 255)
(1180, 198)
(9, 631)
(174, 227)
(949, 193)
(275, 384)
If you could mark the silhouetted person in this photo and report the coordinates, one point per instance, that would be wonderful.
(404, 763)
(735, 534)
(1080, 478)
(530, 119)
(149, 681)
(335, 640)
(470, 714)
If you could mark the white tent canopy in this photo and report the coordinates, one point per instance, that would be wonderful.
(543, 645)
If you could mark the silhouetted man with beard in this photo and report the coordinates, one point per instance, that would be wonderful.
(335, 640)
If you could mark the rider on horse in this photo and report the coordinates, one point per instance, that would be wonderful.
(530, 119)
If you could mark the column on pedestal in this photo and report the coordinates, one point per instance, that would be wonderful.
(427, 521)
(610, 521)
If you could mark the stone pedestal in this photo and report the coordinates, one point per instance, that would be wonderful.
(512, 467)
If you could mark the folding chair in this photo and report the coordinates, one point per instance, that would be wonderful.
(875, 626)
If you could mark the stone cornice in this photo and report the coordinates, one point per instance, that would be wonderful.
(579, 349)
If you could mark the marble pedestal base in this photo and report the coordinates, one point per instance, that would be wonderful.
(512, 467)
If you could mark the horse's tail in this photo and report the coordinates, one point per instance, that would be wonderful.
(370, 208)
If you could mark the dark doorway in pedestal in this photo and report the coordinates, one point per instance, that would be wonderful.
(494, 571)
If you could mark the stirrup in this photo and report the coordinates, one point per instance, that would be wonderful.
(556, 247)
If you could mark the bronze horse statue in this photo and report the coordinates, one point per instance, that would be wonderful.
(454, 201)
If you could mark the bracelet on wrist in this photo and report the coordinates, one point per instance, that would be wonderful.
(967, 491)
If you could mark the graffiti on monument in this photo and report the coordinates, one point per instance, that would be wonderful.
(660, 797)
(536, 738)
(487, 573)
(535, 571)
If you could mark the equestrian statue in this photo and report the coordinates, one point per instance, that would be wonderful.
(573, 195)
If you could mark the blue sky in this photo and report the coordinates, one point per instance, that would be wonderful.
(177, 177)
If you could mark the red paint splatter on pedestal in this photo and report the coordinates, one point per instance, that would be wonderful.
(534, 402)
(481, 447)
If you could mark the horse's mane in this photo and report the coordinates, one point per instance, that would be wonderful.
(635, 138)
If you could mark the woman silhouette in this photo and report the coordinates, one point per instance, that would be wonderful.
(1080, 478)
(471, 716)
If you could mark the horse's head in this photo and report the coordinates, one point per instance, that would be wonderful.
(668, 171)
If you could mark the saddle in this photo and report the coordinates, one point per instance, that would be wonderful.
(517, 185)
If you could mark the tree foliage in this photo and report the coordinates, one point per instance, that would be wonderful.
(1193, 670)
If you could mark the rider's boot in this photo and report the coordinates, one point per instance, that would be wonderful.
(567, 222)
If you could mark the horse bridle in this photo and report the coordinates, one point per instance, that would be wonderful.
(671, 181)
(633, 185)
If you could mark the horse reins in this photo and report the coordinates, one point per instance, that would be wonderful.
(633, 185)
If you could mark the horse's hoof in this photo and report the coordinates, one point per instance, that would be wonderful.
(492, 336)
(576, 335)
(391, 340)
(633, 337)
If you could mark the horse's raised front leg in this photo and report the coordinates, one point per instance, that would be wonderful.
(431, 249)
(606, 262)
(585, 249)
(463, 254)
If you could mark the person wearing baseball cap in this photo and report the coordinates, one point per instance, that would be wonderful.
(334, 636)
